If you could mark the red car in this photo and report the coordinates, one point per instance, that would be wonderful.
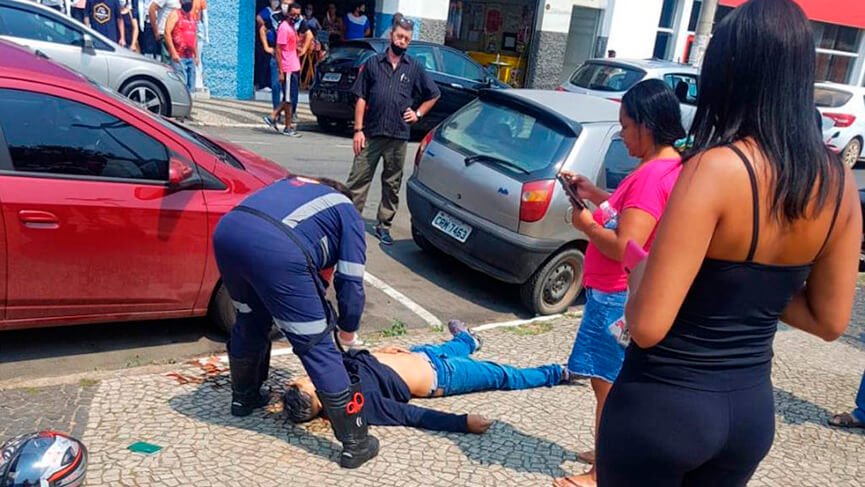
(107, 210)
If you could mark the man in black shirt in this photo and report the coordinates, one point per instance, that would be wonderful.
(390, 377)
(385, 92)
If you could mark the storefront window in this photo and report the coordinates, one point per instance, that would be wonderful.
(837, 51)
(835, 37)
(664, 38)
(835, 68)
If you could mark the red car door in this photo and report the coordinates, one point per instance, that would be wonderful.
(93, 231)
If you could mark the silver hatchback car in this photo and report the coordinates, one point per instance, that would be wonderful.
(611, 78)
(47, 32)
(484, 187)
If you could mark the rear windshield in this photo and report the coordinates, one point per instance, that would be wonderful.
(606, 77)
(490, 129)
(830, 98)
(359, 54)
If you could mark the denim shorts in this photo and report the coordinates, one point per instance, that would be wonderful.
(596, 352)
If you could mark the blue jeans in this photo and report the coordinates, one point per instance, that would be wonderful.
(294, 92)
(596, 352)
(186, 67)
(459, 374)
(275, 85)
(859, 412)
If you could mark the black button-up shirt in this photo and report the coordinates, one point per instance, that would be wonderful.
(389, 92)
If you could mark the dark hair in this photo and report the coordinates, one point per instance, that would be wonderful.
(757, 81)
(297, 405)
(653, 104)
(338, 186)
(404, 23)
(356, 5)
(295, 6)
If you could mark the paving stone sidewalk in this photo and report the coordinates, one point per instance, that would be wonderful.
(222, 112)
(536, 436)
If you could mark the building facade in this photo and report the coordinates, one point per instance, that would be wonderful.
(539, 43)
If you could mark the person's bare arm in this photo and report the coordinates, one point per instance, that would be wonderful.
(824, 305)
(683, 238)
(121, 31)
(585, 188)
(152, 14)
(307, 42)
(262, 36)
(169, 29)
(359, 137)
(133, 44)
(634, 224)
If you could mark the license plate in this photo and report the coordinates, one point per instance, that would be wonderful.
(451, 226)
(332, 77)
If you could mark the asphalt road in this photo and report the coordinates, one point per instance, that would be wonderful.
(431, 287)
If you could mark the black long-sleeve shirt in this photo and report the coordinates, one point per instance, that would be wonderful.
(386, 398)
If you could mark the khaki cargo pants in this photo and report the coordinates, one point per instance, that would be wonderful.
(363, 169)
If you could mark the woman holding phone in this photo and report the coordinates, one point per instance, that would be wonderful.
(651, 124)
(764, 224)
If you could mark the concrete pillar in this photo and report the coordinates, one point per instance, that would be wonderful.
(230, 56)
(430, 17)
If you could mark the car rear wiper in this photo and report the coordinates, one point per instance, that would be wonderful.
(485, 158)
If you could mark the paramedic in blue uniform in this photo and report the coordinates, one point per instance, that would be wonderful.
(266, 272)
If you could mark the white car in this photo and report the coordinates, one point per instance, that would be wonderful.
(611, 78)
(845, 105)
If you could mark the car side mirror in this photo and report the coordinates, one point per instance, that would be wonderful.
(87, 44)
(181, 174)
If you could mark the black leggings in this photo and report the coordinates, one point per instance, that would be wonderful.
(655, 434)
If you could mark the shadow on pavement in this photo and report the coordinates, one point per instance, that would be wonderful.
(209, 403)
(795, 410)
(509, 447)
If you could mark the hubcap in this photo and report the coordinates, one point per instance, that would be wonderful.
(146, 99)
(851, 154)
(558, 283)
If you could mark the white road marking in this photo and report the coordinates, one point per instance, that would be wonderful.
(403, 299)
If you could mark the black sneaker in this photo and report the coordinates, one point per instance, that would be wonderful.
(270, 123)
(383, 234)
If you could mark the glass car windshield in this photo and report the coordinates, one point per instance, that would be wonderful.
(606, 77)
(508, 138)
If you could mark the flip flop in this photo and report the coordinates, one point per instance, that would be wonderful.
(845, 420)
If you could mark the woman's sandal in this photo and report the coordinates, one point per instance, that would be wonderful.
(845, 420)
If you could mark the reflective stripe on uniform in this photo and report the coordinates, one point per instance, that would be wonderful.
(241, 307)
(302, 327)
(325, 253)
(351, 269)
(312, 207)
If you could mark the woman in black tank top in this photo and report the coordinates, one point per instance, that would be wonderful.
(763, 225)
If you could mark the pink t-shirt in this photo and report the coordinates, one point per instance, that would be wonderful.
(647, 189)
(286, 39)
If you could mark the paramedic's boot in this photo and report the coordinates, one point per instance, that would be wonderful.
(345, 411)
(246, 393)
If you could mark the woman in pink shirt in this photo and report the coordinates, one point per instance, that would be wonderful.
(651, 123)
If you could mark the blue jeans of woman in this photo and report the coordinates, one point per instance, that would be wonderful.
(186, 68)
(596, 352)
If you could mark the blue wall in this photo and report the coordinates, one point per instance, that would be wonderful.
(230, 56)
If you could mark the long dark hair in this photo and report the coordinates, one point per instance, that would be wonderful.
(653, 104)
(757, 81)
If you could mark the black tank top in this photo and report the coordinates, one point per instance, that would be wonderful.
(721, 340)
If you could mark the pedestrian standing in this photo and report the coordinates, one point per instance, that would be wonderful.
(202, 22)
(147, 38)
(383, 116)
(651, 123)
(78, 10)
(397, 18)
(332, 24)
(129, 17)
(103, 16)
(288, 63)
(855, 418)
(763, 226)
(356, 23)
(181, 37)
(158, 13)
(311, 21)
(268, 20)
(270, 251)
(305, 39)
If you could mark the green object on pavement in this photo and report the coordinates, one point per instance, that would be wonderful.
(145, 448)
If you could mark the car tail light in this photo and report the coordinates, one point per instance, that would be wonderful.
(535, 199)
(841, 119)
(560, 88)
(422, 148)
(617, 100)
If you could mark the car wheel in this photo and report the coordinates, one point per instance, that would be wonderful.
(146, 94)
(555, 285)
(222, 313)
(422, 241)
(851, 153)
(332, 125)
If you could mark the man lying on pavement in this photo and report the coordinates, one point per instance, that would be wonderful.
(390, 377)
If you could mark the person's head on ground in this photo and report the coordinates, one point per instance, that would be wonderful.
(358, 8)
(651, 119)
(400, 35)
(301, 403)
(757, 84)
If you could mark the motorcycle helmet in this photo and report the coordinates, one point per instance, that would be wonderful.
(43, 459)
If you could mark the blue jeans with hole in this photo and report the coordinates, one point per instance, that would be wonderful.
(459, 374)
(859, 412)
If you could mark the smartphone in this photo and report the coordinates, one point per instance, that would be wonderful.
(634, 254)
(572, 194)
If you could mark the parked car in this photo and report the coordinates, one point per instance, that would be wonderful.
(457, 76)
(484, 189)
(47, 32)
(108, 209)
(611, 78)
(845, 105)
